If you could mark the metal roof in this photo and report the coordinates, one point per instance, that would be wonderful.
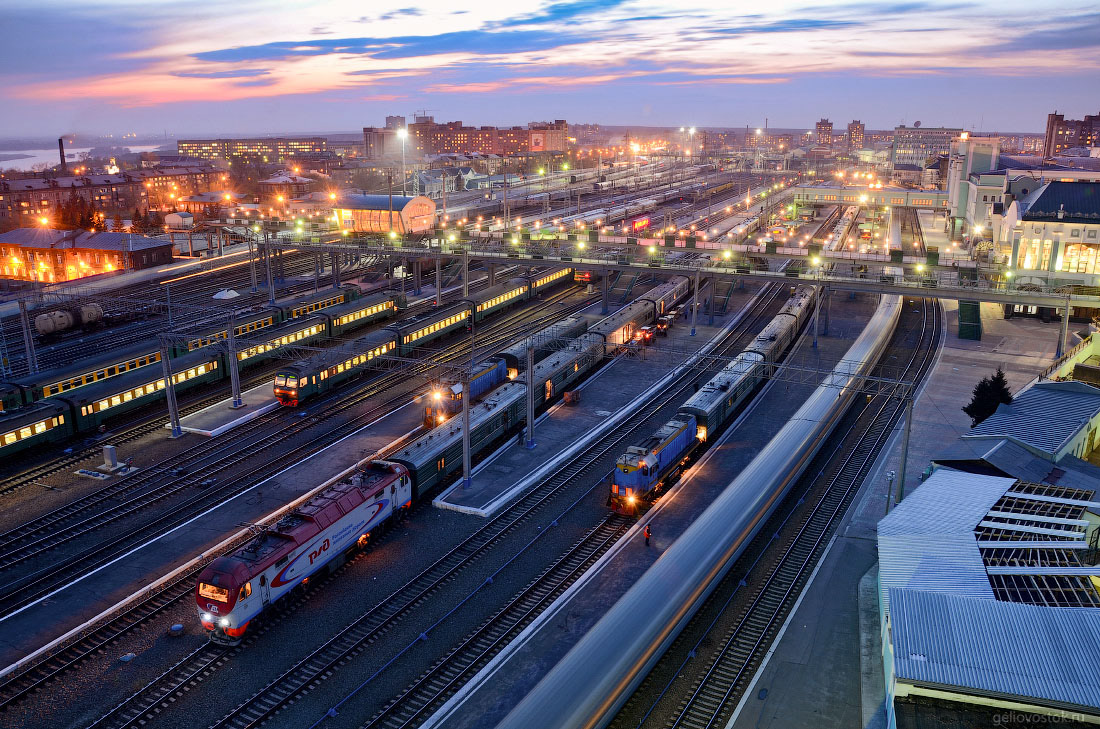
(59, 239)
(371, 202)
(1044, 417)
(1048, 654)
(927, 542)
(1075, 202)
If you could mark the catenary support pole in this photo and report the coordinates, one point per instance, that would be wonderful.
(335, 261)
(416, 277)
(817, 322)
(267, 267)
(169, 390)
(492, 274)
(466, 432)
(530, 394)
(316, 271)
(28, 338)
(606, 293)
(465, 273)
(231, 362)
(828, 305)
(904, 448)
(439, 280)
(252, 263)
(695, 303)
(1063, 331)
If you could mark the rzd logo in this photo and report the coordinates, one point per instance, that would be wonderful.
(319, 551)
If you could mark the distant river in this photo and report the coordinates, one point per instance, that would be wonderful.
(24, 159)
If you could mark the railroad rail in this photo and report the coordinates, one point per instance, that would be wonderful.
(726, 673)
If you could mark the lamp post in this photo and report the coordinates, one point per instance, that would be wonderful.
(402, 134)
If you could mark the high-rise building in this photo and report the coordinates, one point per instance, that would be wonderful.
(855, 134)
(823, 133)
(379, 142)
(265, 150)
(915, 145)
(395, 122)
(426, 136)
(1062, 135)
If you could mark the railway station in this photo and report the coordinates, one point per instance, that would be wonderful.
(660, 405)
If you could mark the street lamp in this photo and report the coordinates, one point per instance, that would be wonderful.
(402, 133)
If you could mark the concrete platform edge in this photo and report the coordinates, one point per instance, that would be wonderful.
(779, 635)
(530, 479)
(872, 692)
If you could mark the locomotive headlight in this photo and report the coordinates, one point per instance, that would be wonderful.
(224, 622)
(207, 618)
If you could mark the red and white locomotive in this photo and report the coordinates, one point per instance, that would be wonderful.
(234, 589)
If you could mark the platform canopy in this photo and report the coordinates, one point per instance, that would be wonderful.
(383, 213)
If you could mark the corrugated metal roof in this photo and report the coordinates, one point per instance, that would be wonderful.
(927, 542)
(1044, 417)
(371, 202)
(1048, 654)
(59, 239)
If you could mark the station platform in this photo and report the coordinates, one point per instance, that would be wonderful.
(497, 688)
(222, 417)
(606, 399)
(826, 667)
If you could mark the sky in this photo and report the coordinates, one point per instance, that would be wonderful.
(270, 66)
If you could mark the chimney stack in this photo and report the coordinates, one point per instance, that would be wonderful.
(61, 151)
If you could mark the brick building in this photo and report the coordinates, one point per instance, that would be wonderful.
(41, 254)
(426, 136)
(1062, 135)
(24, 201)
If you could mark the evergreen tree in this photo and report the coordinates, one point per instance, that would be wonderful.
(116, 224)
(137, 221)
(989, 393)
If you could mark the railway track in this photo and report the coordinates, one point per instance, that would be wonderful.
(33, 678)
(723, 675)
(137, 428)
(161, 481)
(592, 463)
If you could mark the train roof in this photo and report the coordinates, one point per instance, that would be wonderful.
(497, 290)
(238, 319)
(718, 386)
(304, 523)
(341, 352)
(427, 447)
(570, 328)
(30, 414)
(129, 380)
(434, 315)
(86, 364)
(320, 295)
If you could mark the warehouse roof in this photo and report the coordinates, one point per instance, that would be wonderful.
(998, 647)
(371, 202)
(1043, 418)
(47, 238)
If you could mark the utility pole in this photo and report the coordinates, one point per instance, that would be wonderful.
(530, 395)
(231, 361)
(28, 338)
(169, 389)
(267, 265)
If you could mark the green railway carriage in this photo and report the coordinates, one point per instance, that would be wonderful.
(498, 298)
(11, 397)
(421, 330)
(550, 279)
(435, 457)
(34, 425)
(319, 301)
(302, 330)
(563, 370)
(91, 406)
(306, 378)
(363, 311)
(244, 325)
(84, 372)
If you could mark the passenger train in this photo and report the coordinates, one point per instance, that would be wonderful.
(304, 379)
(643, 473)
(233, 590)
(53, 406)
(590, 684)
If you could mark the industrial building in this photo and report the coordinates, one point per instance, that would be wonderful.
(41, 254)
(385, 213)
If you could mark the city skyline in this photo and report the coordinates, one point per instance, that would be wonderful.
(264, 67)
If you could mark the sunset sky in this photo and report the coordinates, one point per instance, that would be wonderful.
(255, 66)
